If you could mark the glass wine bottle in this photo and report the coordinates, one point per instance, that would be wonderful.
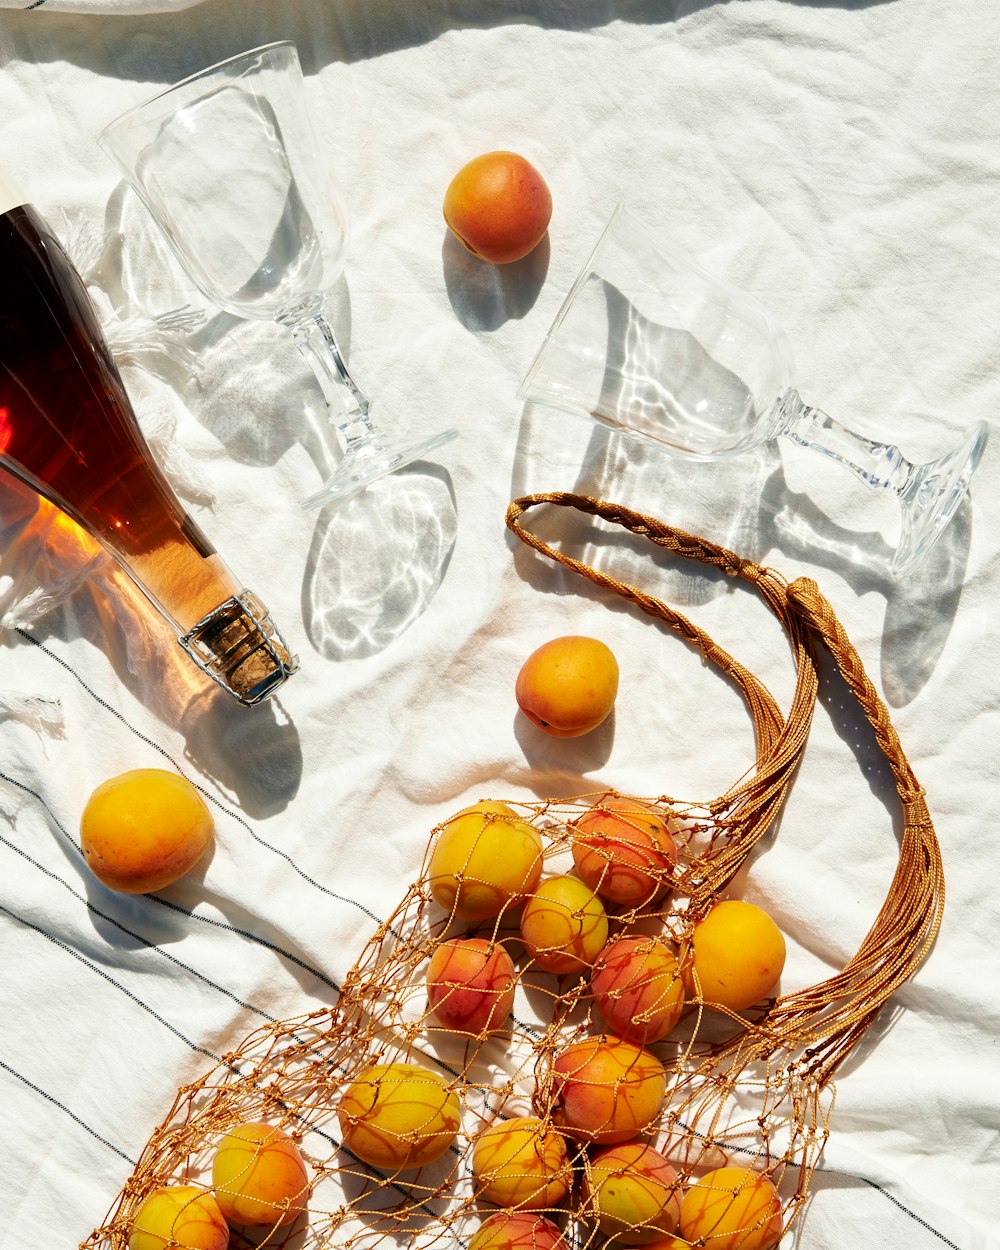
(67, 429)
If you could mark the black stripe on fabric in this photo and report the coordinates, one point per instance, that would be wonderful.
(905, 1209)
(253, 937)
(208, 795)
(155, 898)
(44, 1093)
(201, 1050)
(37, 5)
(147, 945)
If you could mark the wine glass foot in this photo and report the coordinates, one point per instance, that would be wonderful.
(369, 459)
(932, 497)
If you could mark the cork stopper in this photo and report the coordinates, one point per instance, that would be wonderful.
(238, 646)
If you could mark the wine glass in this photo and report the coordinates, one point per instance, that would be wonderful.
(654, 346)
(229, 166)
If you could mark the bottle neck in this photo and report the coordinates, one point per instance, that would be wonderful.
(238, 646)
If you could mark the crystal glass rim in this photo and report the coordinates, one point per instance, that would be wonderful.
(524, 389)
(622, 210)
(119, 122)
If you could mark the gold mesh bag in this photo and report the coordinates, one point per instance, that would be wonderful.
(751, 1090)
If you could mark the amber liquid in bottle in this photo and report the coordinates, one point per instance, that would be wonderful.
(68, 430)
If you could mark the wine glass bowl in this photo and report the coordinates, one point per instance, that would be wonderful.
(651, 344)
(229, 165)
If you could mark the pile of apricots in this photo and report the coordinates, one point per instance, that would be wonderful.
(258, 1179)
(608, 1089)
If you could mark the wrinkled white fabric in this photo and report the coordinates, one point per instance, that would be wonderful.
(839, 161)
(99, 8)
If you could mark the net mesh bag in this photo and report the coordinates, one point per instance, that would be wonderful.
(541, 1108)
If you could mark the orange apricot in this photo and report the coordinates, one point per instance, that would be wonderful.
(259, 1176)
(143, 830)
(732, 1208)
(568, 686)
(521, 1162)
(399, 1115)
(623, 849)
(498, 206)
(470, 985)
(638, 989)
(606, 1090)
(517, 1230)
(737, 955)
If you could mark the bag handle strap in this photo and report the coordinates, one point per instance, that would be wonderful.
(831, 1017)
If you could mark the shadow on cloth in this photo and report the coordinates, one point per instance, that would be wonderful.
(376, 561)
(161, 48)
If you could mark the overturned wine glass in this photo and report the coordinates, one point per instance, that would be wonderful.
(228, 165)
(654, 346)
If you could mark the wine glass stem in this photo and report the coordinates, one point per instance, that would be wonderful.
(879, 465)
(349, 406)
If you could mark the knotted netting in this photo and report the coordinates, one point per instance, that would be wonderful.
(750, 1090)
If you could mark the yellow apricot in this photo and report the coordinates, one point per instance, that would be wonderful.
(732, 1208)
(635, 1193)
(521, 1162)
(568, 686)
(144, 829)
(737, 954)
(399, 1115)
(179, 1215)
(564, 925)
(485, 858)
(259, 1176)
(498, 206)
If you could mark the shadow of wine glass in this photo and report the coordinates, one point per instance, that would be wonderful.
(376, 561)
(920, 609)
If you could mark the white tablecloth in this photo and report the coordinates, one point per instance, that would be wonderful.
(840, 162)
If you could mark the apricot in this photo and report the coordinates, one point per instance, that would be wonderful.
(606, 1090)
(738, 953)
(638, 989)
(732, 1208)
(564, 925)
(517, 1230)
(521, 1162)
(399, 1115)
(258, 1176)
(568, 686)
(144, 829)
(498, 206)
(470, 985)
(635, 1193)
(485, 858)
(179, 1215)
(623, 849)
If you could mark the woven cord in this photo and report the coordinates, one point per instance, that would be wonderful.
(831, 1017)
